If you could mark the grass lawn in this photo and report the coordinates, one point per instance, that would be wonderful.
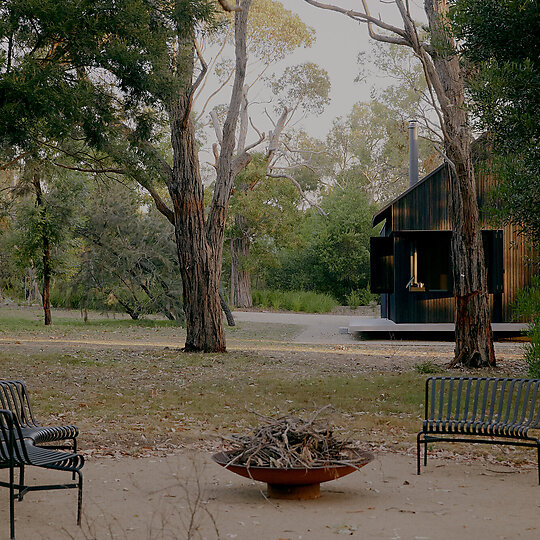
(138, 399)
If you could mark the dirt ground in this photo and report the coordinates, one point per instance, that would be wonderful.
(183, 494)
(156, 498)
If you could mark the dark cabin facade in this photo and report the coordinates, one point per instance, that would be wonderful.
(411, 259)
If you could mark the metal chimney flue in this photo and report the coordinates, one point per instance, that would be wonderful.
(413, 152)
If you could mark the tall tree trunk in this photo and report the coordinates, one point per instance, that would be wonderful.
(46, 254)
(200, 261)
(199, 242)
(474, 340)
(46, 280)
(473, 334)
(240, 275)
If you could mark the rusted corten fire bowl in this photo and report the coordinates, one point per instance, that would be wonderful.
(295, 484)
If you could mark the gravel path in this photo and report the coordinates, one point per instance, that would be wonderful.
(314, 328)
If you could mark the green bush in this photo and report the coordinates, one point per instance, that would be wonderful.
(306, 301)
(332, 254)
(428, 367)
(64, 295)
(361, 297)
(528, 305)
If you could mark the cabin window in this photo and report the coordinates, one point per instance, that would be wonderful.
(493, 257)
(382, 264)
(429, 262)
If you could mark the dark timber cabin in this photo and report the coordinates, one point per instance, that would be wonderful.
(411, 259)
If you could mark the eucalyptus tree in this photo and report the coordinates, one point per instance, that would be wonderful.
(46, 208)
(111, 73)
(273, 32)
(369, 149)
(264, 218)
(300, 90)
(446, 82)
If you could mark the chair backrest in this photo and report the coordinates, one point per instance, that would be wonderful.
(14, 397)
(488, 400)
(12, 445)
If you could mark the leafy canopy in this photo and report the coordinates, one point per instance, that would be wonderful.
(79, 64)
(501, 42)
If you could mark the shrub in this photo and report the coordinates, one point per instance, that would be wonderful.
(361, 297)
(428, 367)
(528, 305)
(306, 301)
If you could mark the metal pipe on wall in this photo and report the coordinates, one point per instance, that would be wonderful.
(413, 152)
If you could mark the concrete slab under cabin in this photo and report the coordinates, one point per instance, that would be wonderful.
(367, 328)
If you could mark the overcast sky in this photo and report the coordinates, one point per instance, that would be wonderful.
(339, 39)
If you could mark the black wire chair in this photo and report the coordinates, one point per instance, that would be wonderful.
(14, 397)
(17, 452)
(485, 410)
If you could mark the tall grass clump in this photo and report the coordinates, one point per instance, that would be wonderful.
(306, 301)
(528, 306)
(361, 297)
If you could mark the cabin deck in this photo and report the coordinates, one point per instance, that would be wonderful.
(378, 327)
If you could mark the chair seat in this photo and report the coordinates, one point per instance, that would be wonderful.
(26, 453)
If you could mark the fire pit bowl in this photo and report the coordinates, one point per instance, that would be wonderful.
(297, 483)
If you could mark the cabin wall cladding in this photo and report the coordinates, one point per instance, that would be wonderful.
(418, 227)
(426, 207)
(518, 271)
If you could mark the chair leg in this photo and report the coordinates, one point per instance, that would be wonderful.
(21, 481)
(418, 452)
(79, 498)
(11, 502)
(425, 453)
(74, 450)
(538, 445)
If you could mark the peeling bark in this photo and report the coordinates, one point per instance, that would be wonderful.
(200, 242)
(240, 276)
(200, 265)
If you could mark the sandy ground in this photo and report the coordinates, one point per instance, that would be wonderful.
(146, 498)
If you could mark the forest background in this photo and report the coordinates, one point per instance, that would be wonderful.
(300, 214)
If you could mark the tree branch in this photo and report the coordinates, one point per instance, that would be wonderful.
(227, 7)
(276, 133)
(249, 147)
(240, 162)
(225, 168)
(13, 161)
(202, 74)
(217, 127)
(214, 93)
(160, 204)
(300, 190)
(361, 17)
(243, 121)
(91, 170)
(211, 66)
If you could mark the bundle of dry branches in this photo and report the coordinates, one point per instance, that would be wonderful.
(290, 442)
